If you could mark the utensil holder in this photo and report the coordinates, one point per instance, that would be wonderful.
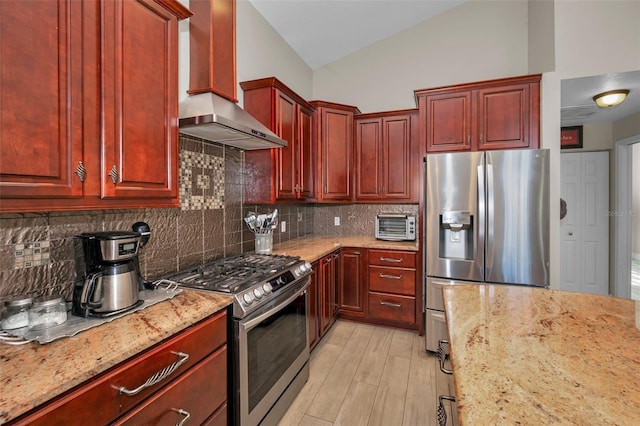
(264, 243)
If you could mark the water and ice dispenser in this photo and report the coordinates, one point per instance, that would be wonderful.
(456, 235)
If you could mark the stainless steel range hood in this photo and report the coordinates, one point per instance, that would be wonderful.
(214, 118)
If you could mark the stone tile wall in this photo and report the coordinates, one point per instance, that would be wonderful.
(37, 251)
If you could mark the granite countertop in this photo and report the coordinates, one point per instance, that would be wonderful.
(312, 248)
(524, 355)
(32, 374)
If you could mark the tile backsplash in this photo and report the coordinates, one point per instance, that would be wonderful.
(37, 252)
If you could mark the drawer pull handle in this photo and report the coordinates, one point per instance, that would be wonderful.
(391, 260)
(442, 356)
(184, 413)
(391, 277)
(160, 375)
(442, 413)
(393, 305)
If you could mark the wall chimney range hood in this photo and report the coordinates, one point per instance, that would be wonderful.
(216, 119)
(211, 112)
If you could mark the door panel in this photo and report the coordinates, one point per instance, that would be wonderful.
(368, 162)
(585, 229)
(286, 129)
(41, 107)
(336, 154)
(452, 186)
(517, 242)
(397, 167)
(139, 95)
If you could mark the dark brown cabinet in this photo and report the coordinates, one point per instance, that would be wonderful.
(327, 273)
(90, 107)
(289, 172)
(496, 114)
(351, 283)
(385, 144)
(333, 126)
(392, 288)
(313, 318)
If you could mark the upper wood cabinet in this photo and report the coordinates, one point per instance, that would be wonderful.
(333, 126)
(41, 132)
(90, 107)
(286, 173)
(385, 149)
(496, 114)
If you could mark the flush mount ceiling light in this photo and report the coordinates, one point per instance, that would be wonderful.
(610, 98)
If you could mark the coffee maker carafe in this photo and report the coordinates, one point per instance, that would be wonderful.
(108, 279)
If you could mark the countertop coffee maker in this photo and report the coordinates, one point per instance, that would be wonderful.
(108, 279)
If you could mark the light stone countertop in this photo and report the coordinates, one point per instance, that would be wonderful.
(312, 248)
(32, 374)
(534, 356)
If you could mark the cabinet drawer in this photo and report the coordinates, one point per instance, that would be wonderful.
(199, 392)
(392, 280)
(100, 400)
(392, 308)
(402, 259)
(219, 418)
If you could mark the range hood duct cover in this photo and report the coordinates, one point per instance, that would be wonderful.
(216, 119)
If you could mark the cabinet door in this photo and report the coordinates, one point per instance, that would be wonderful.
(351, 284)
(41, 130)
(368, 159)
(313, 318)
(286, 113)
(139, 94)
(336, 146)
(504, 117)
(306, 159)
(327, 283)
(446, 121)
(396, 165)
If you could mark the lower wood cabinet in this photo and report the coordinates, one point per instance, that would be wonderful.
(313, 311)
(351, 284)
(196, 386)
(327, 283)
(392, 288)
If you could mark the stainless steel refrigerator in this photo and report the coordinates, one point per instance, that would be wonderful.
(486, 221)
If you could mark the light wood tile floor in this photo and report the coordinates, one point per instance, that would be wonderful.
(362, 374)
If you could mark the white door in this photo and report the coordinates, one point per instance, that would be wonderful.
(584, 257)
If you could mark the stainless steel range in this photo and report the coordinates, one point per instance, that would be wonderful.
(270, 351)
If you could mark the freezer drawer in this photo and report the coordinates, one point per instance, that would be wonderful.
(435, 329)
(434, 291)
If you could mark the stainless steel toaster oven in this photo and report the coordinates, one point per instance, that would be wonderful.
(395, 227)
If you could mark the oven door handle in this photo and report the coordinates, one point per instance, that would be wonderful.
(257, 320)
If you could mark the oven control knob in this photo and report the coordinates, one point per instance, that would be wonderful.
(258, 293)
(267, 288)
(248, 298)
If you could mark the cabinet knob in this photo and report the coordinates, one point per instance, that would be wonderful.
(113, 174)
(570, 234)
(80, 171)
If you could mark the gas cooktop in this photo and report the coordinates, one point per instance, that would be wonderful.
(253, 279)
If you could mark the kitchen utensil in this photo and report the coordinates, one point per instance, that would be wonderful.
(46, 312)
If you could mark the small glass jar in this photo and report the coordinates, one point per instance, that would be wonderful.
(15, 314)
(47, 311)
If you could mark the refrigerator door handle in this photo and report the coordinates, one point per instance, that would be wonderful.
(489, 252)
(480, 225)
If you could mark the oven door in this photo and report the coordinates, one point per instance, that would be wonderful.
(272, 349)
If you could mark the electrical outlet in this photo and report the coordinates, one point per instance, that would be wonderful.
(336, 220)
(299, 217)
(283, 226)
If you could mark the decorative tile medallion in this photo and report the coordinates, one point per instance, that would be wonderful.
(201, 181)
